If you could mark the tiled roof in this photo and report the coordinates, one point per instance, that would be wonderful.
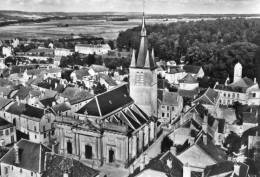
(226, 168)
(249, 117)
(188, 79)
(81, 73)
(56, 165)
(210, 96)
(4, 124)
(243, 83)
(4, 102)
(76, 95)
(160, 164)
(168, 98)
(191, 69)
(5, 90)
(47, 102)
(32, 111)
(108, 79)
(16, 108)
(22, 93)
(212, 150)
(99, 68)
(188, 93)
(31, 156)
(108, 102)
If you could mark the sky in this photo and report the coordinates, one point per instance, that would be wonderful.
(151, 6)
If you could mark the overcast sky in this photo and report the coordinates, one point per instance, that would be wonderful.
(151, 6)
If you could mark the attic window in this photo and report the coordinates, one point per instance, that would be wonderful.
(169, 163)
(110, 102)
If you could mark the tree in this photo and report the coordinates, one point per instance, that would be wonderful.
(99, 88)
(232, 143)
(166, 145)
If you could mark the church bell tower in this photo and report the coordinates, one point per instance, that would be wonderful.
(143, 76)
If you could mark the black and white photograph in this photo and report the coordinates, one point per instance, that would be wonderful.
(129, 88)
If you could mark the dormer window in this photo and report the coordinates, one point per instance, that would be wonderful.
(169, 163)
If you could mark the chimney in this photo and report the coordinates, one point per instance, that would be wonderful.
(169, 69)
(186, 170)
(256, 114)
(236, 169)
(65, 174)
(17, 155)
(255, 80)
(53, 103)
(173, 150)
(55, 85)
(205, 139)
(17, 100)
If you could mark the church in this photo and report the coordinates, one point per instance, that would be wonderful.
(242, 89)
(116, 127)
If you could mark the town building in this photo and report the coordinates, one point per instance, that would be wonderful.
(7, 133)
(170, 105)
(110, 129)
(143, 77)
(62, 52)
(98, 49)
(25, 159)
(243, 90)
(7, 51)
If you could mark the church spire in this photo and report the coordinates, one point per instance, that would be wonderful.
(143, 30)
(133, 61)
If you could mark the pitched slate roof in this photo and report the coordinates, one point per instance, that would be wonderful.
(32, 111)
(4, 124)
(31, 156)
(188, 79)
(107, 102)
(191, 69)
(16, 108)
(47, 102)
(168, 98)
(210, 96)
(188, 93)
(226, 168)
(22, 93)
(56, 165)
(50, 83)
(108, 79)
(243, 83)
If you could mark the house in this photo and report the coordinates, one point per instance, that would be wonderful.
(227, 169)
(25, 159)
(94, 70)
(195, 71)
(62, 52)
(174, 74)
(107, 81)
(164, 165)
(243, 90)
(170, 105)
(7, 51)
(77, 97)
(56, 165)
(99, 49)
(110, 129)
(35, 122)
(7, 133)
(201, 153)
(209, 99)
(56, 60)
(188, 83)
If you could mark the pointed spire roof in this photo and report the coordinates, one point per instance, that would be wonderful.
(143, 54)
(133, 61)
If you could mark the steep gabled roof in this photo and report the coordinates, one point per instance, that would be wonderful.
(107, 102)
(56, 165)
(210, 96)
(4, 102)
(188, 79)
(31, 156)
(192, 69)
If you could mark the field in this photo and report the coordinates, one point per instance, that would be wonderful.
(52, 29)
